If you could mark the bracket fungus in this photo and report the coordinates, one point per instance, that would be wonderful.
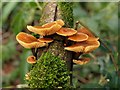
(47, 29)
(91, 37)
(84, 45)
(29, 41)
(78, 37)
(84, 42)
(45, 40)
(66, 32)
(81, 61)
(31, 59)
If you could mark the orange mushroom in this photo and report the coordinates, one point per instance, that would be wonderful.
(91, 37)
(45, 40)
(78, 37)
(75, 48)
(28, 41)
(66, 32)
(84, 47)
(47, 29)
(81, 61)
(31, 59)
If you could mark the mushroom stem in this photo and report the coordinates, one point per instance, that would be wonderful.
(34, 52)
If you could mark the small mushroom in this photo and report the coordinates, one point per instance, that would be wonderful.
(66, 32)
(31, 59)
(81, 61)
(45, 40)
(47, 29)
(84, 47)
(29, 41)
(79, 37)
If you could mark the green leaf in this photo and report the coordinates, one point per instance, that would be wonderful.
(7, 9)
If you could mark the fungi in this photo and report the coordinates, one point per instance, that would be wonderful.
(78, 37)
(84, 47)
(75, 48)
(81, 61)
(31, 59)
(45, 40)
(66, 32)
(47, 29)
(91, 37)
(29, 41)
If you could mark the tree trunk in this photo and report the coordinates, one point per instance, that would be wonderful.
(51, 12)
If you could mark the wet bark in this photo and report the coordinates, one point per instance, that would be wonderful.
(51, 12)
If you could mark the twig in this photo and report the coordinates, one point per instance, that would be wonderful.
(36, 1)
(105, 46)
(76, 25)
(55, 15)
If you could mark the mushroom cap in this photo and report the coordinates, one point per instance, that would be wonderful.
(78, 37)
(75, 48)
(47, 29)
(92, 45)
(86, 31)
(81, 61)
(45, 40)
(28, 41)
(66, 32)
(59, 21)
(84, 47)
(91, 37)
(31, 59)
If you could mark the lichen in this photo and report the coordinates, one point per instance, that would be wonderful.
(49, 72)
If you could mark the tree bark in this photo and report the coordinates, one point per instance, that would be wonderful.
(51, 12)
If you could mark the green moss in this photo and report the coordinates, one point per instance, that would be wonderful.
(49, 72)
(66, 13)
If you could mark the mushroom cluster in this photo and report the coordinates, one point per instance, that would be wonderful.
(83, 40)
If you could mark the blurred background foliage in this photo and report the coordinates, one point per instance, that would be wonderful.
(100, 17)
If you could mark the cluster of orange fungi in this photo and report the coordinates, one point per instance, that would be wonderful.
(84, 40)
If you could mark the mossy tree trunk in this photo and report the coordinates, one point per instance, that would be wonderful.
(51, 12)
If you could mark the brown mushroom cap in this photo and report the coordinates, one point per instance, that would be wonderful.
(47, 29)
(75, 48)
(28, 41)
(78, 37)
(84, 47)
(31, 59)
(86, 31)
(60, 22)
(45, 40)
(92, 45)
(91, 37)
(81, 61)
(66, 32)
